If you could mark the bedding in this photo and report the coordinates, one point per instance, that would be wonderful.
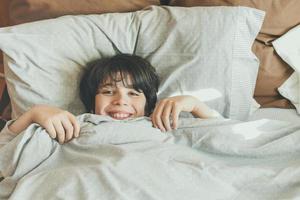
(281, 16)
(207, 159)
(201, 58)
(290, 90)
(210, 159)
(280, 114)
(288, 48)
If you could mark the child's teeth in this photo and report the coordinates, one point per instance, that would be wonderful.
(120, 115)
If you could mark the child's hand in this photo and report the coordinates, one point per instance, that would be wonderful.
(59, 124)
(166, 113)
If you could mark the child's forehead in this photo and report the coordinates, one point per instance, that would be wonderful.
(117, 79)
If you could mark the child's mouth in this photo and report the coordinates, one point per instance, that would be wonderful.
(120, 116)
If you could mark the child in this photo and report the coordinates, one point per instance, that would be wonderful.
(123, 86)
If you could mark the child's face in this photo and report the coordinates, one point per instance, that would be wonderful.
(119, 101)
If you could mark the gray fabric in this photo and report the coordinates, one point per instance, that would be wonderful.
(289, 115)
(201, 51)
(6, 135)
(203, 159)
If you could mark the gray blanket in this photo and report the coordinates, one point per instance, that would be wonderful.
(202, 159)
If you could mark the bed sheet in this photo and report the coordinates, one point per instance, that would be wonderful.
(202, 159)
(289, 115)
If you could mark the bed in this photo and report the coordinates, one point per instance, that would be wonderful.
(217, 56)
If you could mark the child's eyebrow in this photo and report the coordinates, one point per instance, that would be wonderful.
(107, 85)
(113, 85)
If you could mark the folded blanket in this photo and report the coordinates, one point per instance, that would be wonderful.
(202, 159)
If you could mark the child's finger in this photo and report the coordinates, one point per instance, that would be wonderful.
(153, 116)
(157, 116)
(51, 130)
(67, 125)
(60, 132)
(152, 120)
(175, 116)
(166, 115)
(75, 124)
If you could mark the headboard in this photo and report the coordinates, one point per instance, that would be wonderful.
(4, 21)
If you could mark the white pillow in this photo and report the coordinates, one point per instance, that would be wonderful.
(204, 51)
(290, 90)
(288, 48)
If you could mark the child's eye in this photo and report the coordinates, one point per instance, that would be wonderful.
(107, 92)
(134, 93)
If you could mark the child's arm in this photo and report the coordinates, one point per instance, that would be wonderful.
(6, 135)
(59, 124)
(166, 113)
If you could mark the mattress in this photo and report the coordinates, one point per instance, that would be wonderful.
(276, 114)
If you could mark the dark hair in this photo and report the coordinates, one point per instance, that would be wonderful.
(142, 73)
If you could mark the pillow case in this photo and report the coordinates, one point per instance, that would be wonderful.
(288, 48)
(29, 10)
(210, 57)
(273, 71)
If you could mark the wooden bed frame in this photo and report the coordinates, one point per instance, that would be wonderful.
(4, 21)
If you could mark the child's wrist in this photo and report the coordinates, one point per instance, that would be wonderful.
(203, 111)
(21, 123)
(29, 115)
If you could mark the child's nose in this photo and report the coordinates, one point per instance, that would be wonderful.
(120, 100)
